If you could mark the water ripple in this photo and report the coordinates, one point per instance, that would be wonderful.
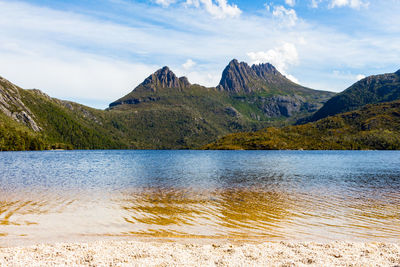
(307, 195)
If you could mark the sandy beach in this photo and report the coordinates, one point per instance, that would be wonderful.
(139, 253)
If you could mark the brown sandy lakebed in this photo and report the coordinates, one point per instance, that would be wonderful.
(140, 253)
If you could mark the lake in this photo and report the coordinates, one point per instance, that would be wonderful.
(238, 195)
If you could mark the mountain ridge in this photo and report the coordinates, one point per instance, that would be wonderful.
(237, 76)
(364, 116)
(12, 106)
(261, 85)
(370, 90)
(166, 112)
(165, 78)
(374, 126)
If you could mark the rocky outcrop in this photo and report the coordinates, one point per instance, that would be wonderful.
(236, 77)
(162, 78)
(240, 77)
(277, 106)
(39, 92)
(269, 74)
(134, 101)
(12, 106)
(231, 111)
(165, 78)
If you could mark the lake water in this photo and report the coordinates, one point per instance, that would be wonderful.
(239, 195)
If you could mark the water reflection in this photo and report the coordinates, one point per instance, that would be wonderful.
(197, 194)
(220, 213)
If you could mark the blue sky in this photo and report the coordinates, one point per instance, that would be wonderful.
(94, 52)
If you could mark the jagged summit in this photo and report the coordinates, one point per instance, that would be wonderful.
(240, 77)
(397, 72)
(261, 83)
(162, 78)
(266, 70)
(165, 78)
(236, 77)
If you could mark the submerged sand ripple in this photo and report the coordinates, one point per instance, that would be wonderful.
(139, 253)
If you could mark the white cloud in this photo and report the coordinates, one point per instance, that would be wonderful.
(287, 17)
(339, 3)
(188, 64)
(195, 3)
(219, 8)
(290, 2)
(302, 41)
(76, 56)
(360, 77)
(292, 78)
(356, 4)
(347, 75)
(165, 3)
(205, 78)
(315, 3)
(281, 57)
(74, 76)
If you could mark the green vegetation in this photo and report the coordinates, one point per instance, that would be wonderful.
(71, 124)
(14, 136)
(180, 119)
(177, 120)
(371, 90)
(372, 127)
(167, 112)
(164, 112)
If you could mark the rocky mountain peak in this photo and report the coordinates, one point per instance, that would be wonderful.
(165, 78)
(397, 72)
(265, 70)
(236, 76)
(184, 81)
(240, 77)
(233, 62)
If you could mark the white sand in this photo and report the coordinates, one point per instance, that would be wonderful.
(139, 253)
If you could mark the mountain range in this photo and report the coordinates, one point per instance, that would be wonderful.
(371, 90)
(364, 116)
(259, 92)
(168, 112)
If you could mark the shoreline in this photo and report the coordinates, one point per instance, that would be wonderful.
(173, 253)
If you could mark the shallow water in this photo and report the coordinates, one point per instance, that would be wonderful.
(244, 195)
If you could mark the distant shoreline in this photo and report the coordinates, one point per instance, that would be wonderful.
(221, 149)
(126, 253)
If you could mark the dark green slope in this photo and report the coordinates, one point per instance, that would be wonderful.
(185, 118)
(371, 90)
(371, 127)
(179, 120)
(72, 124)
(51, 123)
(15, 136)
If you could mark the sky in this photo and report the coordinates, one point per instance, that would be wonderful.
(95, 51)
